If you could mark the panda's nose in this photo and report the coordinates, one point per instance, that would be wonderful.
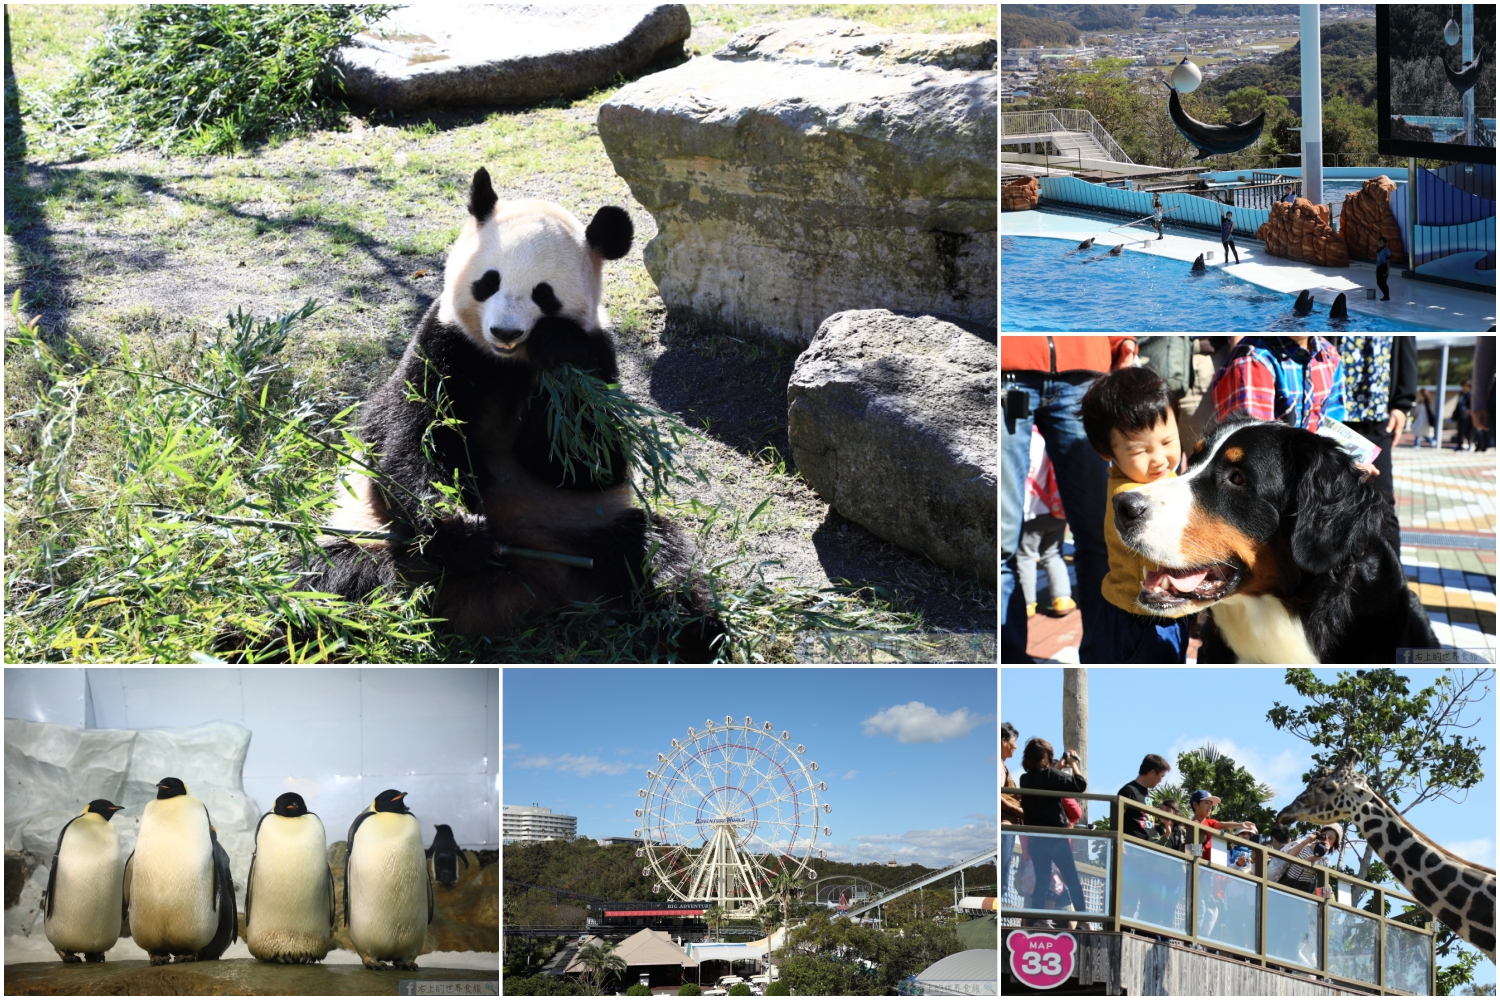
(505, 336)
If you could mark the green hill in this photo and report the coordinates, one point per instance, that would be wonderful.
(1020, 32)
(1348, 67)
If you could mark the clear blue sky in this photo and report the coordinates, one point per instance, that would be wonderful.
(1167, 710)
(910, 755)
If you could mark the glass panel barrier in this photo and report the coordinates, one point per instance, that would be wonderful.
(1153, 888)
(1351, 945)
(1408, 956)
(1292, 929)
(1228, 910)
(1044, 871)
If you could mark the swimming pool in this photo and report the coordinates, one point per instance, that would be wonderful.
(1048, 285)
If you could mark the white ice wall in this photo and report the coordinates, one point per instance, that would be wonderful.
(337, 736)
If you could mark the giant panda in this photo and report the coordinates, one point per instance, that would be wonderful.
(522, 292)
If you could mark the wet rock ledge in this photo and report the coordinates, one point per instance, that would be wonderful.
(231, 977)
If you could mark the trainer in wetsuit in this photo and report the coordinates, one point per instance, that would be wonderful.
(1156, 220)
(1383, 269)
(1226, 236)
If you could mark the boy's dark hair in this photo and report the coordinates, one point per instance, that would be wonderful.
(1037, 750)
(1129, 400)
(1281, 834)
(1008, 732)
(1154, 762)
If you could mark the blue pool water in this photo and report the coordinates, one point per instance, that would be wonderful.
(1049, 285)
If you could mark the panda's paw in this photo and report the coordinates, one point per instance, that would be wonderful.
(557, 340)
(462, 543)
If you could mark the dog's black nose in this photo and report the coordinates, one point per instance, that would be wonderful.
(1129, 508)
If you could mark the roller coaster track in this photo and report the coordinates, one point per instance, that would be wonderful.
(924, 881)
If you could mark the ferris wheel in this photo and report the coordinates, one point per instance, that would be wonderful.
(728, 809)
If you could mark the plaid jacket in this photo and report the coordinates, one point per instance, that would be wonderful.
(1271, 378)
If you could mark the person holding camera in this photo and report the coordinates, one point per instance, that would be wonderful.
(1046, 851)
(1319, 849)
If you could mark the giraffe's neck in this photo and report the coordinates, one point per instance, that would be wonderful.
(1373, 814)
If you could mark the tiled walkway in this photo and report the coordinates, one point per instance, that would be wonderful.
(1445, 501)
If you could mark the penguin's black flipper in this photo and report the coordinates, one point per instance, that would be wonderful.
(223, 889)
(249, 888)
(125, 894)
(332, 904)
(430, 909)
(52, 873)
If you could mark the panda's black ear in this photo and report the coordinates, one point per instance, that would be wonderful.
(611, 232)
(482, 197)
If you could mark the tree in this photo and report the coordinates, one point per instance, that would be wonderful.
(784, 885)
(601, 960)
(1241, 796)
(714, 916)
(1407, 745)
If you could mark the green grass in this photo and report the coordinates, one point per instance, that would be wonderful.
(128, 261)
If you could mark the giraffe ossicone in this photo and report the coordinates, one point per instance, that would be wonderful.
(1459, 893)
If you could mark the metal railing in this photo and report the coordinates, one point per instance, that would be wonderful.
(1015, 126)
(1132, 884)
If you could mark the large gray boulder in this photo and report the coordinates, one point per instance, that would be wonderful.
(498, 54)
(892, 421)
(815, 166)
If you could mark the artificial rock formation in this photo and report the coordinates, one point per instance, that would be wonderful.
(1019, 195)
(892, 421)
(491, 55)
(1302, 232)
(816, 166)
(1366, 216)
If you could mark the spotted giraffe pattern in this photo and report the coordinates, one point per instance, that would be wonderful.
(1459, 893)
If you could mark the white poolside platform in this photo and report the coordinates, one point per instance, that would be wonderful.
(1426, 303)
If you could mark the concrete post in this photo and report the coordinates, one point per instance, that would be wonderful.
(1469, 57)
(1312, 105)
(1076, 720)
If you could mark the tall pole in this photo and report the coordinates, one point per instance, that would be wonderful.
(1312, 105)
(1076, 720)
(1468, 58)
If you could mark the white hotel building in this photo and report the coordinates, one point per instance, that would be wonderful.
(533, 824)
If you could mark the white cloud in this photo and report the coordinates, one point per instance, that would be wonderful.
(850, 775)
(512, 746)
(934, 848)
(581, 766)
(1282, 772)
(1480, 851)
(915, 722)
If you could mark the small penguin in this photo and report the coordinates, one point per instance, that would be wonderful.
(445, 855)
(1340, 308)
(178, 889)
(1304, 303)
(1198, 264)
(1086, 244)
(85, 900)
(1115, 251)
(387, 894)
(289, 907)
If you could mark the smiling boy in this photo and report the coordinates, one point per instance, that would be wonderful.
(1130, 417)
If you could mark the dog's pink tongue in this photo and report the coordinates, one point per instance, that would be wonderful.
(1188, 582)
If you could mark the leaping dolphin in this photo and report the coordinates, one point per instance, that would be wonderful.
(1465, 80)
(1212, 140)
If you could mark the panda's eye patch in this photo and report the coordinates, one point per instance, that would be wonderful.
(545, 300)
(486, 286)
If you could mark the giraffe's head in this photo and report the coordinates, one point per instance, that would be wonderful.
(1331, 795)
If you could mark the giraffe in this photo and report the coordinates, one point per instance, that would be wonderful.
(1459, 893)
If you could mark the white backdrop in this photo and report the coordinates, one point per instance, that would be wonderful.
(337, 736)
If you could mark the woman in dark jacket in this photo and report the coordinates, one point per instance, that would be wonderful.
(1048, 811)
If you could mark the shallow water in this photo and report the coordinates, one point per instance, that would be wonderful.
(1050, 285)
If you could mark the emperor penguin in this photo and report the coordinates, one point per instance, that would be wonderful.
(85, 901)
(387, 894)
(445, 855)
(289, 908)
(178, 890)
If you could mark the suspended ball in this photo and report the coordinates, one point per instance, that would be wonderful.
(1186, 77)
(1452, 32)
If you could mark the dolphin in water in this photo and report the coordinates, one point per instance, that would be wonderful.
(1340, 308)
(1464, 80)
(1304, 303)
(1213, 139)
(1086, 244)
(1198, 264)
(1117, 250)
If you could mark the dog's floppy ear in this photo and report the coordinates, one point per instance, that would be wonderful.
(1334, 518)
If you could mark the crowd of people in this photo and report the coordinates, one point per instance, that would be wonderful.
(1041, 871)
(1088, 417)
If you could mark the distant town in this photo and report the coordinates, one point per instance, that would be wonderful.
(1216, 43)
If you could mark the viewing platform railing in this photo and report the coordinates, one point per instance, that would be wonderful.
(1148, 887)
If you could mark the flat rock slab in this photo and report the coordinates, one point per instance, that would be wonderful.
(235, 977)
(492, 55)
(892, 421)
(816, 166)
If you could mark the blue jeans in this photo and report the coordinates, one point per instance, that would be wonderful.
(1081, 483)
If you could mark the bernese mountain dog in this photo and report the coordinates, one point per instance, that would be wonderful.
(1296, 552)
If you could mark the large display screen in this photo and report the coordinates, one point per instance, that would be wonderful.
(1423, 77)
